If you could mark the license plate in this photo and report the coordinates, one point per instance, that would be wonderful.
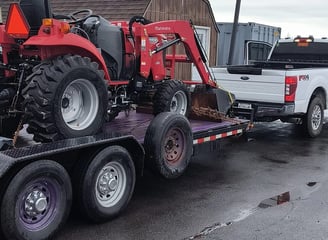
(245, 105)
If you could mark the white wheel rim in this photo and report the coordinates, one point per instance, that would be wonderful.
(316, 117)
(111, 184)
(179, 103)
(79, 104)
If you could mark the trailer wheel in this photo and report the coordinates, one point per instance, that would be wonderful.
(172, 96)
(37, 201)
(169, 144)
(107, 184)
(65, 98)
(312, 122)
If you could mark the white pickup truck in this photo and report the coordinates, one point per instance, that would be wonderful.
(292, 85)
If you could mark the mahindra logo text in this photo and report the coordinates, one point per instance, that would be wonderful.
(162, 28)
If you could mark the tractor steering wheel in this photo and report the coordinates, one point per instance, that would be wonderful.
(86, 13)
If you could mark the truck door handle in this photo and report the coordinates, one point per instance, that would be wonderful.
(244, 78)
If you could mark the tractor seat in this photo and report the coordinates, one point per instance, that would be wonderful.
(35, 11)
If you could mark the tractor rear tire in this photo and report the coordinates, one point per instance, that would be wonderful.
(65, 98)
(172, 96)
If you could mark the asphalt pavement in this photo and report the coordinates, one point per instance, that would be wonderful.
(273, 186)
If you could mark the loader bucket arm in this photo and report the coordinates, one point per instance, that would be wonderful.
(184, 32)
(206, 96)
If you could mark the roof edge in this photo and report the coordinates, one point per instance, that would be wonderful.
(207, 2)
(147, 7)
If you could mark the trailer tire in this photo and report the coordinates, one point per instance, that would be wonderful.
(168, 144)
(37, 201)
(106, 184)
(172, 96)
(65, 98)
(312, 122)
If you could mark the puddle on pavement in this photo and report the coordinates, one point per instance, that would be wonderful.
(208, 230)
(270, 202)
(267, 203)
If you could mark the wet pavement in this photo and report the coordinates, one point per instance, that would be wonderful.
(273, 186)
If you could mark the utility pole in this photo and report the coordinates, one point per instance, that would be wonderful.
(234, 32)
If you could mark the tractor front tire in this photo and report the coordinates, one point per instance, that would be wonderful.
(65, 98)
(172, 96)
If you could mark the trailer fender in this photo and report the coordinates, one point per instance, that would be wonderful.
(63, 44)
(137, 153)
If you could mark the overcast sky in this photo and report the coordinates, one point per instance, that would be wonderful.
(295, 17)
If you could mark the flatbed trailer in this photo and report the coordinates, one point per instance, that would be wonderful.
(39, 182)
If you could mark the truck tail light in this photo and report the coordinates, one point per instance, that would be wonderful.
(16, 24)
(290, 88)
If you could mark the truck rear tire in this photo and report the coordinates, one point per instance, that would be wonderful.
(172, 96)
(37, 201)
(66, 98)
(312, 122)
(168, 144)
(107, 184)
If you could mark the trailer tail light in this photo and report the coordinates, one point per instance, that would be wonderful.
(290, 88)
(16, 24)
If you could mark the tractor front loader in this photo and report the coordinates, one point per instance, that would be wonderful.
(65, 75)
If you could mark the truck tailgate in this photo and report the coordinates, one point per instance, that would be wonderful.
(269, 86)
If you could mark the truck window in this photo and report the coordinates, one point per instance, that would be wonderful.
(257, 51)
(291, 51)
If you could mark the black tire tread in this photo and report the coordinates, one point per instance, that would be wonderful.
(306, 125)
(153, 142)
(8, 220)
(163, 96)
(84, 179)
(40, 91)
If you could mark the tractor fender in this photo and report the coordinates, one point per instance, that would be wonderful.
(51, 46)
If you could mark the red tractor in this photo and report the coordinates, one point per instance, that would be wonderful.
(65, 75)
